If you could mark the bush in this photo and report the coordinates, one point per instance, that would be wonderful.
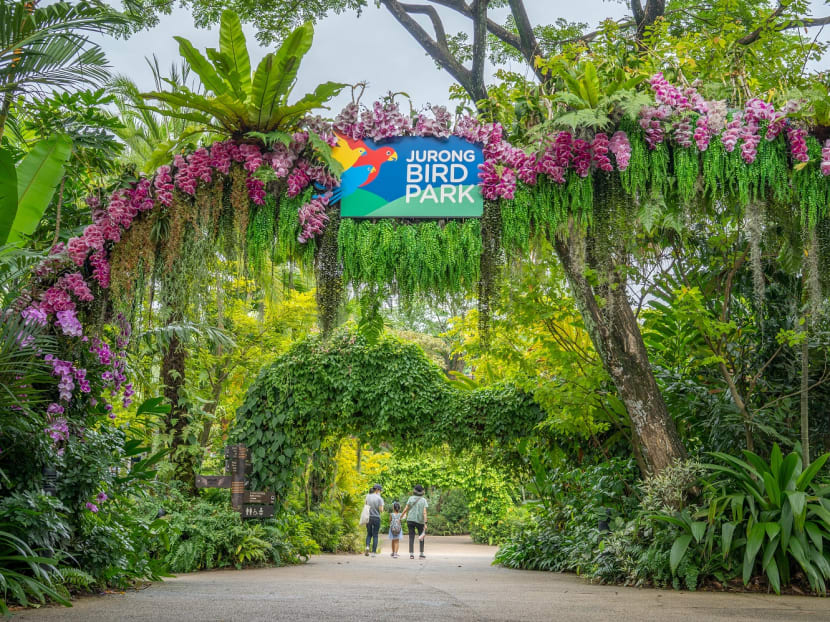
(41, 517)
(334, 530)
(756, 518)
(773, 518)
(562, 533)
(209, 534)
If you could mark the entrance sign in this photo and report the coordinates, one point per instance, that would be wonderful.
(409, 177)
(260, 496)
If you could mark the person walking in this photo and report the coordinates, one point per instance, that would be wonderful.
(395, 528)
(375, 503)
(415, 514)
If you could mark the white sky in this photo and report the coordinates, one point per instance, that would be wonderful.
(373, 48)
(385, 55)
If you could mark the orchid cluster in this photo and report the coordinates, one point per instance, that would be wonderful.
(68, 374)
(505, 164)
(384, 120)
(677, 108)
(439, 125)
(58, 428)
(313, 218)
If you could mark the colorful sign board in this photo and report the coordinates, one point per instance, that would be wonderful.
(409, 177)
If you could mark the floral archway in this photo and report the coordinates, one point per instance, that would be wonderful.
(268, 199)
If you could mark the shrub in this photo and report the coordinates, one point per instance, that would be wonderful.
(24, 575)
(670, 489)
(563, 533)
(778, 517)
(334, 530)
(209, 534)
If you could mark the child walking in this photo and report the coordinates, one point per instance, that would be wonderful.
(395, 528)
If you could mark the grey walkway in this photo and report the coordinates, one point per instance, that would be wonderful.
(455, 582)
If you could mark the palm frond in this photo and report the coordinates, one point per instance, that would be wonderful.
(187, 333)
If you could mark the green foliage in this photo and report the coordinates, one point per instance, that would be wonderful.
(36, 177)
(563, 534)
(333, 529)
(150, 138)
(589, 98)
(25, 576)
(417, 258)
(387, 392)
(47, 46)
(779, 516)
(755, 518)
(239, 102)
(208, 534)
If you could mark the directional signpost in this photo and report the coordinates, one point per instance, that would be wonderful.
(249, 503)
(213, 481)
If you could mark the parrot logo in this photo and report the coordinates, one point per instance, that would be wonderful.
(360, 164)
(351, 180)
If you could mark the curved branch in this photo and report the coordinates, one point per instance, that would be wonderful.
(437, 24)
(437, 49)
(530, 46)
(753, 36)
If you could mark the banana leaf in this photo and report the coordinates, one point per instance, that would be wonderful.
(37, 176)
(8, 194)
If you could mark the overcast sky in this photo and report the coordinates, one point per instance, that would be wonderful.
(372, 48)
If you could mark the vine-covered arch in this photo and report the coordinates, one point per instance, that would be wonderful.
(388, 391)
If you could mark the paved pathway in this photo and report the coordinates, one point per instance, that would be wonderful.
(455, 582)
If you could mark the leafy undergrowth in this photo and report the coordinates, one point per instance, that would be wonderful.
(746, 525)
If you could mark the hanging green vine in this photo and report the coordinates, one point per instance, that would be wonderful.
(420, 257)
(686, 173)
(491, 260)
(329, 275)
(286, 246)
(262, 233)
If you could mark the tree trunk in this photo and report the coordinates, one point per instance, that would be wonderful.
(220, 375)
(610, 322)
(172, 376)
(210, 409)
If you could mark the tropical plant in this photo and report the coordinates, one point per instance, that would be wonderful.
(779, 515)
(27, 189)
(152, 138)
(45, 46)
(589, 98)
(24, 575)
(238, 102)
